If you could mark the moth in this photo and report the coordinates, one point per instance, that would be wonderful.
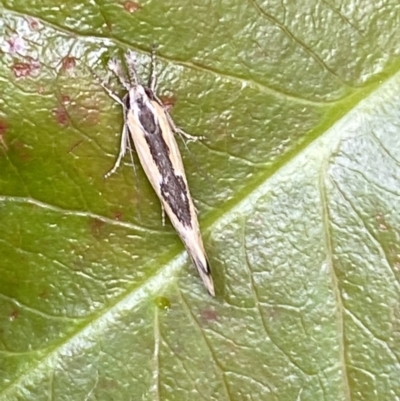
(148, 125)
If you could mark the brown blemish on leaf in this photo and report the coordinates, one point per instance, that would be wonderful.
(69, 109)
(21, 150)
(67, 63)
(118, 216)
(14, 315)
(3, 129)
(44, 294)
(65, 99)
(33, 24)
(60, 112)
(25, 69)
(209, 315)
(22, 69)
(168, 101)
(131, 6)
(61, 115)
(96, 228)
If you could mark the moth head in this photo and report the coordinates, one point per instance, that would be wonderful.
(138, 95)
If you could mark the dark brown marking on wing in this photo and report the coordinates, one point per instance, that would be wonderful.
(173, 187)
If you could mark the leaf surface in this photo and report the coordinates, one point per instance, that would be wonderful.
(297, 185)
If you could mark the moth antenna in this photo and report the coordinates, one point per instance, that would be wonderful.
(153, 73)
(131, 60)
(115, 67)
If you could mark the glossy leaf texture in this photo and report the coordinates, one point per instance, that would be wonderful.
(297, 186)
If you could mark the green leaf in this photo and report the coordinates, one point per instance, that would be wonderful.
(297, 185)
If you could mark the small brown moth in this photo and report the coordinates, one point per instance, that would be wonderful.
(148, 125)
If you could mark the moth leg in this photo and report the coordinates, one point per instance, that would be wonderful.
(153, 86)
(113, 95)
(162, 215)
(122, 150)
(115, 67)
(181, 132)
(153, 75)
(130, 58)
(104, 85)
(129, 148)
(188, 136)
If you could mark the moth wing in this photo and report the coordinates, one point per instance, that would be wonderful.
(143, 152)
(169, 138)
(190, 235)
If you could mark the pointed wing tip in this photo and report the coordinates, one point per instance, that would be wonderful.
(203, 267)
(210, 287)
(207, 279)
(208, 283)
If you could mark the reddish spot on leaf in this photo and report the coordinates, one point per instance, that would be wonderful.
(209, 315)
(168, 101)
(118, 216)
(61, 115)
(3, 129)
(33, 24)
(21, 150)
(131, 6)
(44, 294)
(65, 99)
(25, 69)
(96, 227)
(14, 315)
(68, 63)
(21, 69)
(69, 109)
